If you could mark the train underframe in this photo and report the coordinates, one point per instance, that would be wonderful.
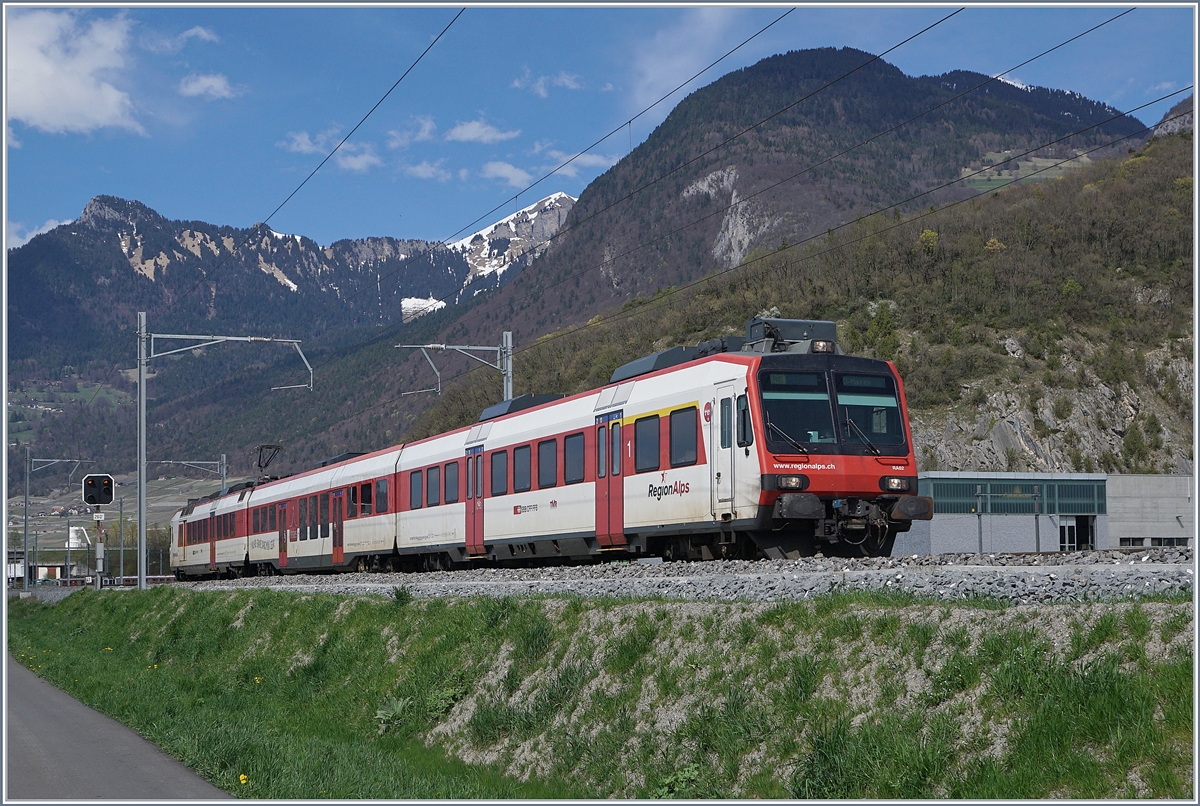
(795, 526)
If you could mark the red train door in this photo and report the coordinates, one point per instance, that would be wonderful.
(212, 542)
(610, 483)
(283, 534)
(475, 500)
(337, 528)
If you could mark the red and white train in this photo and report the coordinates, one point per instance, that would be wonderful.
(777, 444)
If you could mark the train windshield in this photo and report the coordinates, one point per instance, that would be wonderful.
(796, 410)
(868, 410)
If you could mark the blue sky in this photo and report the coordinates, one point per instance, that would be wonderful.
(217, 114)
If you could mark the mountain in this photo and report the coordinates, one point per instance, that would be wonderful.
(120, 256)
(1177, 120)
(710, 185)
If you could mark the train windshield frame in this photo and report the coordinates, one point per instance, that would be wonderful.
(796, 407)
(822, 412)
(868, 412)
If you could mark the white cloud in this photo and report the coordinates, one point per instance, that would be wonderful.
(210, 86)
(580, 161)
(509, 173)
(16, 234)
(677, 53)
(541, 84)
(157, 43)
(13, 140)
(59, 71)
(422, 130)
(1166, 86)
(357, 158)
(302, 143)
(463, 174)
(198, 32)
(476, 131)
(427, 170)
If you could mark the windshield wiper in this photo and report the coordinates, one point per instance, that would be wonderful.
(785, 435)
(870, 445)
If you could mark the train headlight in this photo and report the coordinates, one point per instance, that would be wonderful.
(791, 482)
(894, 484)
(822, 346)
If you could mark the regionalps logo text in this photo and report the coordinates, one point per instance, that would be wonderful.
(657, 491)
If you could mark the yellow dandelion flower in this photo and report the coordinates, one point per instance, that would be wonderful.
(108, 649)
(243, 778)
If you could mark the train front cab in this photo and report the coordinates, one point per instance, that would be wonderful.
(838, 469)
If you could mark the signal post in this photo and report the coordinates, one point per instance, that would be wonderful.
(97, 491)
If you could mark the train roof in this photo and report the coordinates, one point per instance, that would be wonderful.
(762, 336)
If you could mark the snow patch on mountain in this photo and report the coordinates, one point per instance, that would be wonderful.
(412, 307)
(524, 234)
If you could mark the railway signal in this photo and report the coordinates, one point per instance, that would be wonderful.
(97, 489)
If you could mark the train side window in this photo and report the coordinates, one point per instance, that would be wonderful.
(499, 472)
(314, 531)
(727, 422)
(745, 428)
(479, 475)
(414, 490)
(522, 478)
(573, 461)
(683, 437)
(364, 500)
(381, 502)
(254, 521)
(616, 449)
(451, 482)
(547, 463)
(601, 451)
(304, 519)
(645, 444)
(352, 501)
(433, 486)
(271, 525)
(324, 514)
(470, 479)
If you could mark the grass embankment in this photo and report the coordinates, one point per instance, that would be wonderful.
(842, 697)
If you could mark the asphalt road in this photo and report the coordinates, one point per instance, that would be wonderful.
(59, 749)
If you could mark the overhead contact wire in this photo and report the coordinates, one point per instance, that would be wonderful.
(810, 168)
(447, 240)
(630, 195)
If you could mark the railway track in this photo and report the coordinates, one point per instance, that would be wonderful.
(1019, 578)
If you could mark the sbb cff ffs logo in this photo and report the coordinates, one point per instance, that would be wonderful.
(97, 489)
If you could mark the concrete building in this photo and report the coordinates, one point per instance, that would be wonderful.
(1031, 512)
(1151, 511)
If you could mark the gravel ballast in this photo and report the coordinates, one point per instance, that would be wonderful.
(1018, 578)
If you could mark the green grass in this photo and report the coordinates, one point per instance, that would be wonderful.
(296, 714)
(652, 700)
